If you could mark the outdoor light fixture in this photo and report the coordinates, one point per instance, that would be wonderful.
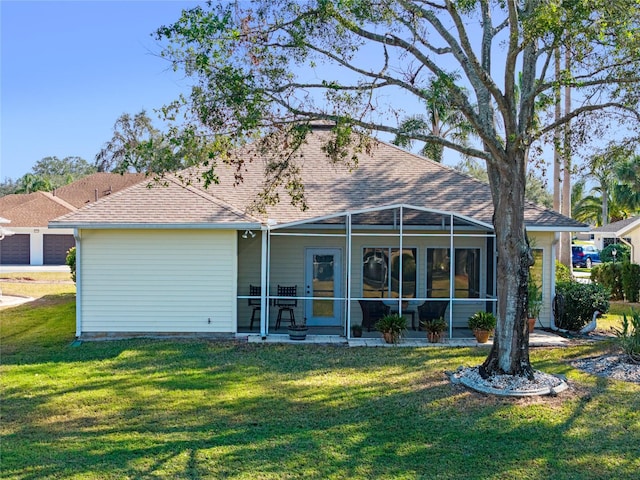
(614, 252)
(5, 233)
(248, 233)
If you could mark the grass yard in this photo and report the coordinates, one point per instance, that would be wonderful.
(200, 409)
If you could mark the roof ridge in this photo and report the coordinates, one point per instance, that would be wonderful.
(59, 201)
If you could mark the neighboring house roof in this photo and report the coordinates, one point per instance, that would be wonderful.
(33, 209)
(95, 186)
(619, 228)
(387, 176)
(38, 208)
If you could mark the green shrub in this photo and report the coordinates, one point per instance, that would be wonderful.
(563, 273)
(623, 253)
(392, 323)
(628, 337)
(482, 320)
(580, 301)
(609, 275)
(71, 261)
(631, 281)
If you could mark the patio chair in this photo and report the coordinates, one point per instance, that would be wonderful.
(286, 304)
(254, 303)
(431, 310)
(372, 311)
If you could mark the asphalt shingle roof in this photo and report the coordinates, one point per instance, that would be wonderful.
(386, 176)
(616, 226)
(33, 209)
(95, 186)
(38, 208)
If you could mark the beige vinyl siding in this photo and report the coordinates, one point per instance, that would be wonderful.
(158, 281)
(544, 241)
(634, 235)
(288, 265)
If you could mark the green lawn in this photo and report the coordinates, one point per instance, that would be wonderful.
(200, 409)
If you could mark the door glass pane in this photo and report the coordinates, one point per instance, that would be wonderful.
(323, 285)
(535, 271)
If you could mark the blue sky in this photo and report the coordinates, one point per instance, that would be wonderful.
(69, 69)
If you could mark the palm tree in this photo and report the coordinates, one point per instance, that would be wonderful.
(29, 183)
(616, 195)
(441, 120)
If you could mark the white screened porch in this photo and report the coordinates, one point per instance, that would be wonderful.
(337, 268)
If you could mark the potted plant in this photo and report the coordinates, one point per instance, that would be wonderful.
(298, 331)
(434, 327)
(356, 330)
(534, 303)
(482, 324)
(391, 327)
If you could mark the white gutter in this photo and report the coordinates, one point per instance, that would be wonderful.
(159, 226)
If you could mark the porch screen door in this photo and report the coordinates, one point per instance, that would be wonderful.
(323, 275)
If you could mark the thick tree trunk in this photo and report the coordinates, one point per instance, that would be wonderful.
(510, 352)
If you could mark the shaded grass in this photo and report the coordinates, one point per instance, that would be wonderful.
(199, 409)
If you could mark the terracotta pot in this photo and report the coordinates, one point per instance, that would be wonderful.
(390, 337)
(532, 324)
(434, 337)
(482, 336)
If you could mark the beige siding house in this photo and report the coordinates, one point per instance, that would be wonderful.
(625, 231)
(398, 233)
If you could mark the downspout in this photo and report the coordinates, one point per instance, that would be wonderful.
(77, 237)
(400, 266)
(349, 273)
(264, 281)
(556, 239)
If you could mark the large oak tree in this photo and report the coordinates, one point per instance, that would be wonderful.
(263, 67)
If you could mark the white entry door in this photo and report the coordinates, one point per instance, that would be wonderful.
(323, 278)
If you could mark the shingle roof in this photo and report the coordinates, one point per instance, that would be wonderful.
(95, 186)
(171, 204)
(33, 209)
(617, 227)
(38, 208)
(387, 176)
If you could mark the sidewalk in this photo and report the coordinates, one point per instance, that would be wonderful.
(33, 268)
(538, 338)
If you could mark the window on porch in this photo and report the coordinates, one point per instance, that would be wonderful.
(467, 273)
(381, 272)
